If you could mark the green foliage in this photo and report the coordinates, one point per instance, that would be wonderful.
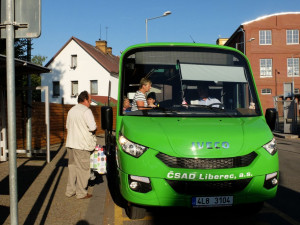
(38, 59)
(20, 48)
(35, 78)
(21, 52)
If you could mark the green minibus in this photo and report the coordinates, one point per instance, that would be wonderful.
(183, 152)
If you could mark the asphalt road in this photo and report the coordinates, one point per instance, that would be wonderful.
(282, 210)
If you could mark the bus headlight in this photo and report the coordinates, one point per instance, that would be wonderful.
(271, 147)
(131, 148)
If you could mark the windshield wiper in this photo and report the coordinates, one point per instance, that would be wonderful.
(214, 106)
(163, 110)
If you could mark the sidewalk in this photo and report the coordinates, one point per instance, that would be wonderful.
(41, 192)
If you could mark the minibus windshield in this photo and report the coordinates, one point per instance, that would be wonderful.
(189, 81)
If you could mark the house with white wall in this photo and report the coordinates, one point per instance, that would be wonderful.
(79, 66)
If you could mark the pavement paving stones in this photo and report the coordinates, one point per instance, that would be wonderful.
(41, 192)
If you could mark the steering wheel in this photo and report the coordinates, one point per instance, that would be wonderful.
(219, 105)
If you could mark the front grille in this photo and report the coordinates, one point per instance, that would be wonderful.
(207, 163)
(208, 187)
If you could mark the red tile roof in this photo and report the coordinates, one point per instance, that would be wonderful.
(103, 99)
(109, 61)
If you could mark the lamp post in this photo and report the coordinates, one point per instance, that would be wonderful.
(165, 14)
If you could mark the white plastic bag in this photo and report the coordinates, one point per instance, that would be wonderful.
(98, 160)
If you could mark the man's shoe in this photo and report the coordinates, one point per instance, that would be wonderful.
(69, 196)
(87, 196)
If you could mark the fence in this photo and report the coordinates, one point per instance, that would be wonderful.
(58, 117)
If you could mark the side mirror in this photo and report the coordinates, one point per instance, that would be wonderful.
(271, 117)
(106, 118)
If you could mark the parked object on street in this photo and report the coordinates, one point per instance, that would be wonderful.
(191, 155)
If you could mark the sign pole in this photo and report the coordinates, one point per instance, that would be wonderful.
(11, 111)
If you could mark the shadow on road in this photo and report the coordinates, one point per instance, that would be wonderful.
(26, 175)
(282, 210)
(287, 202)
(31, 218)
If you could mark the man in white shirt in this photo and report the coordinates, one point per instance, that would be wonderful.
(81, 141)
(204, 98)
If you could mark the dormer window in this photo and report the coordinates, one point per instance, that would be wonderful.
(73, 62)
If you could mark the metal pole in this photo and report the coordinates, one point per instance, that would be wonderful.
(11, 111)
(165, 14)
(146, 30)
(29, 105)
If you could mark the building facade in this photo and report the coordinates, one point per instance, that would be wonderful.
(271, 44)
(79, 66)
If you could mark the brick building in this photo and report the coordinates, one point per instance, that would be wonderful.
(271, 43)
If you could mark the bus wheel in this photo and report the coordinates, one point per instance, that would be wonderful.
(255, 208)
(250, 208)
(135, 212)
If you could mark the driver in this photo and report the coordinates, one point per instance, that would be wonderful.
(139, 100)
(204, 98)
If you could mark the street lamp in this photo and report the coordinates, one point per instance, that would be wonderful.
(165, 14)
(236, 44)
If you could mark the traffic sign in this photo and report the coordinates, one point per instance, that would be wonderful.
(27, 21)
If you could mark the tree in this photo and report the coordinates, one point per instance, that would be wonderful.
(38, 59)
(35, 78)
(20, 48)
(21, 52)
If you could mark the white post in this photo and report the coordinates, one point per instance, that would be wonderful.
(47, 118)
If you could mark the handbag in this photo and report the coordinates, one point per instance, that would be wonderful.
(98, 160)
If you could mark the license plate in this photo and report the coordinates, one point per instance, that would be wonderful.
(216, 201)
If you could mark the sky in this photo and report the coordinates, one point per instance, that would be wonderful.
(122, 22)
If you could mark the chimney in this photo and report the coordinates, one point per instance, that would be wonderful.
(101, 45)
(109, 50)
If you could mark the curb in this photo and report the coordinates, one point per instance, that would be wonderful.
(286, 136)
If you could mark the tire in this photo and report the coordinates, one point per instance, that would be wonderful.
(255, 208)
(135, 212)
(250, 208)
(113, 180)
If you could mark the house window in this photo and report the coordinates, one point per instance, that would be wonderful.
(265, 37)
(74, 86)
(266, 91)
(266, 67)
(293, 67)
(94, 87)
(292, 37)
(73, 61)
(56, 89)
